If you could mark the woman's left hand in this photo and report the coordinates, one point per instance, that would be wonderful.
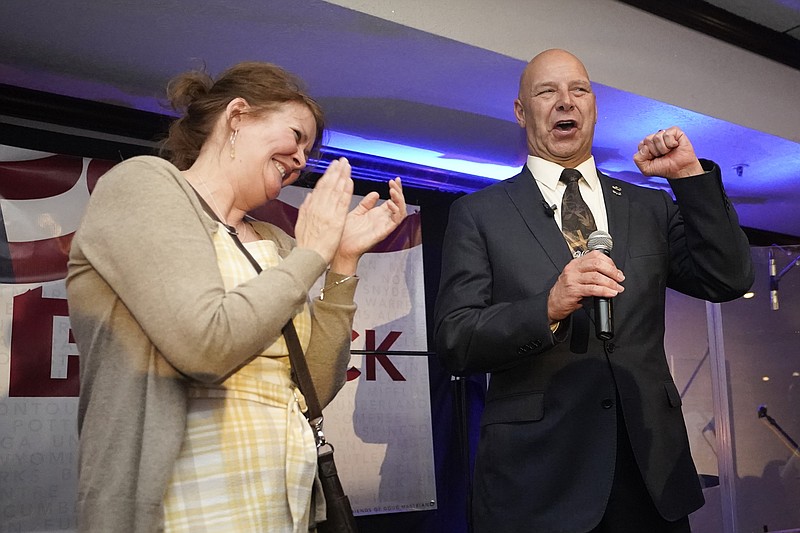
(367, 225)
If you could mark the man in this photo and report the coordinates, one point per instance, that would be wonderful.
(580, 434)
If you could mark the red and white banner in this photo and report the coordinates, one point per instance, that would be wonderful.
(380, 423)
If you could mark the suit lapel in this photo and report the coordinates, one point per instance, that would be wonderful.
(528, 199)
(529, 202)
(618, 210)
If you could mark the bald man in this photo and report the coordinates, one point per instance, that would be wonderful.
(581, 433)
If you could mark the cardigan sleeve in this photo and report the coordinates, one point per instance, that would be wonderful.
(143, 237)
(328, 352)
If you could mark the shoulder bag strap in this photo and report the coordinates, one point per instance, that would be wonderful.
(296, 356)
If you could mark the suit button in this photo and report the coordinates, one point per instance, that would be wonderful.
(608, 403)
(610, 347)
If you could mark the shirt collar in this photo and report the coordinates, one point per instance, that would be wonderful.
(548, 173)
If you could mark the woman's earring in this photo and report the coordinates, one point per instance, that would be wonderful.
(233, 143)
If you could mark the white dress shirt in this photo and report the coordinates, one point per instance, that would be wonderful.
(547, 175)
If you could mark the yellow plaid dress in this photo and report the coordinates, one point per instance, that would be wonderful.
(248, 459)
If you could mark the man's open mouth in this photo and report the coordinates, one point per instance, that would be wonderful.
(566, 125)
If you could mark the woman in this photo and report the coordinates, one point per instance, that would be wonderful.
(188, 417)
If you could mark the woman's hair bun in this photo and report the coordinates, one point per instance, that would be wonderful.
(186, 88)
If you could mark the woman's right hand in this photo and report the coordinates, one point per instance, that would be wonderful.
(321, 218)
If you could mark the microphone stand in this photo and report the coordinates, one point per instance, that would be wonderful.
(774, 277)
(392, 352)
(791, 444)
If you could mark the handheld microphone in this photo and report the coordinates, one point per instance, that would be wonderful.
(773, 283)
(603, 310)
(549, 210)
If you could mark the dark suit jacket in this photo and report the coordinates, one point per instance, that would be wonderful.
(548, 433)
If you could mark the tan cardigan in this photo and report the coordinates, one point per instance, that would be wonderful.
(149, 312)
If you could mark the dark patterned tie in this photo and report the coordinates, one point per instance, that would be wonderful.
(577, 221)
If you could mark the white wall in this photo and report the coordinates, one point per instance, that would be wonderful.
(622, 47)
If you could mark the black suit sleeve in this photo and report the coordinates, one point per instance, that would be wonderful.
(709, 253)
(473, 332)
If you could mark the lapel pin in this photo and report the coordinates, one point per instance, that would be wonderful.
(616, 189)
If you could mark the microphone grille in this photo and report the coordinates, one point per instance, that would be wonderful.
(600, 240)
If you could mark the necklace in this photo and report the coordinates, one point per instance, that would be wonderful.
(231, 229)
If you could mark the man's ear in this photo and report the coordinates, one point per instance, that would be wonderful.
(519, 112)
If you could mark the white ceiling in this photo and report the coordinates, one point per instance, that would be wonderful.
(442, 76)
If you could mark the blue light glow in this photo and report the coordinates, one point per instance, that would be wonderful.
(419, 156)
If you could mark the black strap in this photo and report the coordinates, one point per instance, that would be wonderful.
(296, 357)
(302, 374)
